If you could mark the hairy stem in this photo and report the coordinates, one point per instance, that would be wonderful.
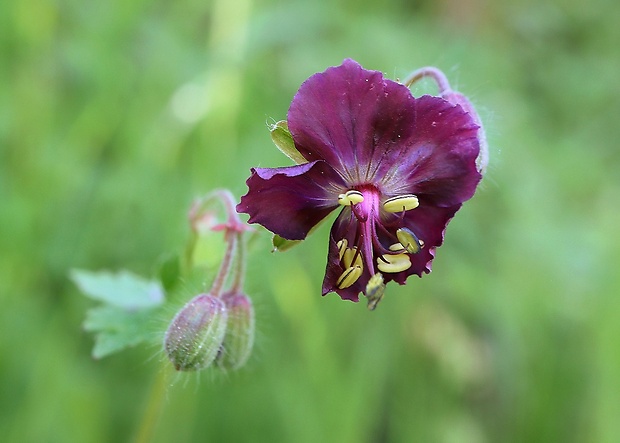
(154, 407)
(429, 71)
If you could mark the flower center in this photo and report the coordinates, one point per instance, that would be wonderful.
(366, 206)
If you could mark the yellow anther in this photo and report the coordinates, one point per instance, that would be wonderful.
(342, 247)
(355, 197)
(409, 240)
(349, 255)
(396, 247)
(393, 263)
(401, 203)
(374, 290)
(348, 277)
(351, 197)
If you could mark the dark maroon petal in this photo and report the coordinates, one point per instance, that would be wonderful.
(428, 223)
(343, 227)
(438, 162)
(290, 201)
(352, 118)
(459, 99)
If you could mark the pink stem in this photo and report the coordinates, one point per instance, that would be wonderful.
(429, 71)
(220, 278)
(237, 285)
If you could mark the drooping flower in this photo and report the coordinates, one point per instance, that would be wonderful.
(398, 167)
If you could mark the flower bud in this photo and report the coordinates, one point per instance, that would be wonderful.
(239, 337)
(195, 335)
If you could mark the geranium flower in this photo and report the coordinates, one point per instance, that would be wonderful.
(398, 167)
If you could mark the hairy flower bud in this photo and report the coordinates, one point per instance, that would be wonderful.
(239, 338)
(195, 335)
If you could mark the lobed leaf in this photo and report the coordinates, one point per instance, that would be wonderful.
(116, 328)
(122, 289)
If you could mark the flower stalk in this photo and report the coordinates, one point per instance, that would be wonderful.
(219, 324)
(446, 92)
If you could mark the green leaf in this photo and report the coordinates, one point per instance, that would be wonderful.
(283, 139)
(116, 328)
(122, 289)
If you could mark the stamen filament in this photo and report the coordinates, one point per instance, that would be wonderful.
(378, 247)
(361, 217)
(397, 247)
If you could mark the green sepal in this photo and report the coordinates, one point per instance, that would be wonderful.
(283, 139)
(281, 244)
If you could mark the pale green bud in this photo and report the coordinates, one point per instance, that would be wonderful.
(195, 335)
(239, 337)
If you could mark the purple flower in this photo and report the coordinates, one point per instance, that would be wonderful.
(398, 167)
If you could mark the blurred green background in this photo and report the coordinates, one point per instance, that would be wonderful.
(115, 115)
